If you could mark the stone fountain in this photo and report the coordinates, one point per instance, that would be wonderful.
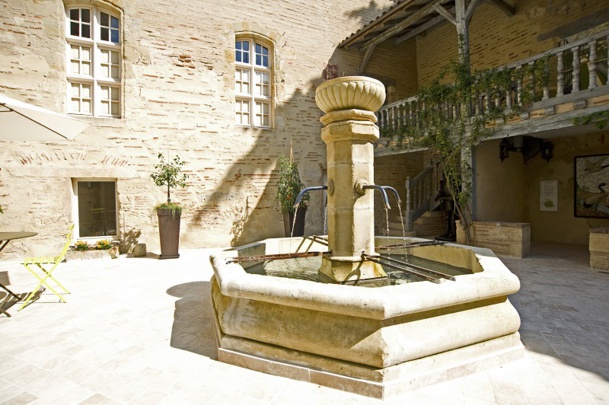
(378, 342)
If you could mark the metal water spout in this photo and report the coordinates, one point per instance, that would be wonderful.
(306, 190)
(397, 195)
(361, 186)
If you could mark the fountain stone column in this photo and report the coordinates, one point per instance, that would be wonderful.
(349, 133)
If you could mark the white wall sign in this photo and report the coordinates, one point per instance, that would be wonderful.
(548, 195)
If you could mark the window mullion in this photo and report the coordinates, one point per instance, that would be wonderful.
(252, 89)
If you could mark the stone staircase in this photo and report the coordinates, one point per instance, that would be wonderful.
(429, 225)
(422, 213)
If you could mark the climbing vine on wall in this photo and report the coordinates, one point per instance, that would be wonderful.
(459, 109)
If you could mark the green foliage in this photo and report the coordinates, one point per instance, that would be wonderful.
(169, 173)
(175, 209)
(81, 246)
(450, 120)
(103, 245)
(599, 118)
(289, 186)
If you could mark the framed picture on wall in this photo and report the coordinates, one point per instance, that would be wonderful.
(548, 195)
(592, 186)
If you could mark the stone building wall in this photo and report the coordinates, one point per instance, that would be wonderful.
(178, 97)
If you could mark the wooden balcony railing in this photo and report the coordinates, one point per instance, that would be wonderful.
(421, 194)
(569, 73)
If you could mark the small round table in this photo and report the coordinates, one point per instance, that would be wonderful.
(5, 238)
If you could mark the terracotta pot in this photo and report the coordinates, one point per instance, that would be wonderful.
(169, 233)
(288, 222)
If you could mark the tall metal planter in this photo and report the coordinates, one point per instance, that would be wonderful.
(169, 233)
(288, 222)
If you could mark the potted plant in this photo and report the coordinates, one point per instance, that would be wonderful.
(288, 187)
(169, 174)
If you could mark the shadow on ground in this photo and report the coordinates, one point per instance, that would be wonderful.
(563, 306)
(192, 323)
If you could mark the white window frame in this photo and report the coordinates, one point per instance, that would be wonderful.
(99, 84)
(75, 216)
(251, 103)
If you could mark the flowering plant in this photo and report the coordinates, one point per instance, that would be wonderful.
(289, 185)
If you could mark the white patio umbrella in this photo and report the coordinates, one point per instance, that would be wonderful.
(21, 121)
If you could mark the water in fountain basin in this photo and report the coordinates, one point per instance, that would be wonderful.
(307, 269)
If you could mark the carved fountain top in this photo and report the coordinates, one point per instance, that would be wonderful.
(350, 92)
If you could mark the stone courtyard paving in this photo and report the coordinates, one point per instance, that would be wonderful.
(138, 331)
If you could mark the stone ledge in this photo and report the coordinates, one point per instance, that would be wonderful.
(503, 238)
(599, 248)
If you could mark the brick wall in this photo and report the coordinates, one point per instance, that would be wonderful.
(178, 97)
(496, 39)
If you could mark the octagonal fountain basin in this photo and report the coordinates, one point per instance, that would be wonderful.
(378, 342)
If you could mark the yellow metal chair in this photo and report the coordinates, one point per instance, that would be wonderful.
(35, 266)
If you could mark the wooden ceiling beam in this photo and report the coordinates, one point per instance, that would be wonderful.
(434, 22)
(445, 13)
(507, 9)
(429, 8)
(367, 56)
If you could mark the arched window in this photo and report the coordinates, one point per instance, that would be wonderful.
(253, 82)
(93, 50)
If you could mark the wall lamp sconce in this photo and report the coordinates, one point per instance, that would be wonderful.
(504, 149)
(547, 150)
(527, 145)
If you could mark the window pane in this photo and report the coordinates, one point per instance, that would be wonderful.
(86, 15)
(75, 14)
(262, 117)
(81, 60)
(242, 116)
(74, 29)
(242, 52)
(109, 97)
(86, 31)
(242, 81)
(109, 28)
(97, 208)
(75, 90)
(80, 101)
(263, 87)
(262, 55)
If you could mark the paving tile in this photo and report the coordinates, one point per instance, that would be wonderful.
(122, 340)
(9, 391)
(22, 398)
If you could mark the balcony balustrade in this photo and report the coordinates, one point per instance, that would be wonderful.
(572, 73)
